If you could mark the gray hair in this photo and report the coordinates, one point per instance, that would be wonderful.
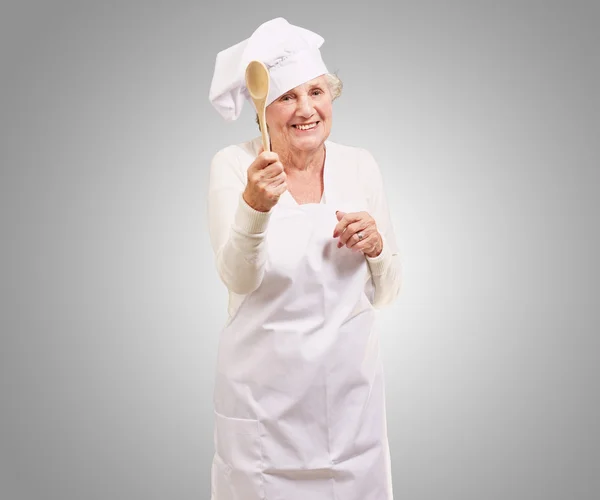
(335, 87)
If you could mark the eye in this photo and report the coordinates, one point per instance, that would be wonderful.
(317, 92)
(286, 97)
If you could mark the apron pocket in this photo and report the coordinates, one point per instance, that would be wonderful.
(237, 466)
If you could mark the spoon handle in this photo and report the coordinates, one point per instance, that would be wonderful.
(263, 129)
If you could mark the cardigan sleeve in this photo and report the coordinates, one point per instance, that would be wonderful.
(386, 270)
(237, 231)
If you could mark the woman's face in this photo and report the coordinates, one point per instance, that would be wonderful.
(301, 118)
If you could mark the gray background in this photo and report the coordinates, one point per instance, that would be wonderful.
(484, 118)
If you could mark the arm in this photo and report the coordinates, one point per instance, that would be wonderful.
(237, 231)
(385, 268)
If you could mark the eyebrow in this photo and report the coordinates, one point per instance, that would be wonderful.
(310, 87)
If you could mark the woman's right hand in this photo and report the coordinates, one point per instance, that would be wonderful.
(266, 182)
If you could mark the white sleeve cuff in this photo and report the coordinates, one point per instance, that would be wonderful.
(379, 265)
(250, 221)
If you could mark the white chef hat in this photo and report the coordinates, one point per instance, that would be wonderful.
(290, 53)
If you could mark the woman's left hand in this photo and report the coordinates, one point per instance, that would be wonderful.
(358, 231)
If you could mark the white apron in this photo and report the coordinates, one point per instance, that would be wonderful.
(299, 393)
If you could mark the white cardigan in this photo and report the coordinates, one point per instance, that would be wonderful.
(238, 232)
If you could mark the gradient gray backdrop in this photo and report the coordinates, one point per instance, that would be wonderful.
(484, 118)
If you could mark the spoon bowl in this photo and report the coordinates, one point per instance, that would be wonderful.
(257, 83)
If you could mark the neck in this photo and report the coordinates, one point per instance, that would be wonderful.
(300, 160)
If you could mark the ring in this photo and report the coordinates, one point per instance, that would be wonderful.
(360, 236)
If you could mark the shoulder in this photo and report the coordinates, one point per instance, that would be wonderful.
(237, 152)
(358, 159)
(233, 161)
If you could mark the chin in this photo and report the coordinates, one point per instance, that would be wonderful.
(308, 145)
(309, 142)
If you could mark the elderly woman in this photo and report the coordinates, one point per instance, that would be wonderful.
(305, 246)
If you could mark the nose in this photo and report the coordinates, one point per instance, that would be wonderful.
(305, 107)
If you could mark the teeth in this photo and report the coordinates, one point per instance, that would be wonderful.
(306, 127)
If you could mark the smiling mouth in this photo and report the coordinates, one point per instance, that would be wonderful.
(307, 126)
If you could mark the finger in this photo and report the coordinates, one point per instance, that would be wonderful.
(341, 225)
(280, 189)
(354, 239)
(360, 245)
(272, 171)
(351, 230)
(346, 219)
(264, 159)
(266, 175)
(339, 215)
(276, 181)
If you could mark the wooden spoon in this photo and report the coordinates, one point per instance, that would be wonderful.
(257, 83)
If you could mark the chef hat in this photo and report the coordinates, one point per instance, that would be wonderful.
(289, 52)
